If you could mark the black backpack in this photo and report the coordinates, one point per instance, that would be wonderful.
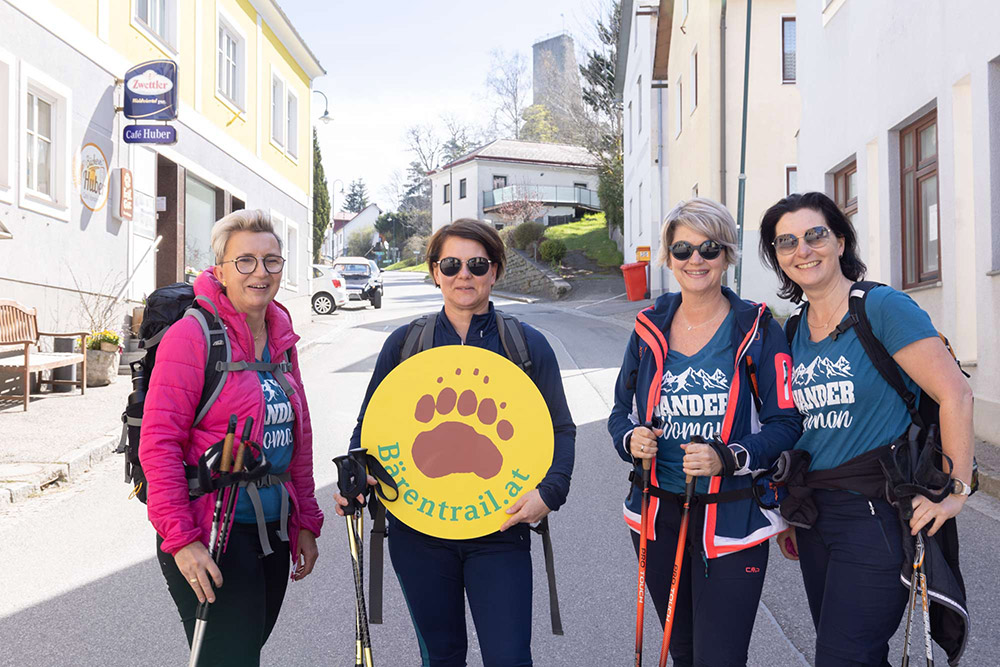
(420, 336)
(164, 307)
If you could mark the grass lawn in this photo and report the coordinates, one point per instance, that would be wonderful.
(590, 235)
(403, 264)
(418, 268)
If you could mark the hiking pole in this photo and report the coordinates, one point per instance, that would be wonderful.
(675, 576)
(352, 481)
(201, 615)
(640, 599)
(227, 518)
(923, 594)
(909, 614)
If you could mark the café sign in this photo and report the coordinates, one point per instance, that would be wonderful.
(151, 91)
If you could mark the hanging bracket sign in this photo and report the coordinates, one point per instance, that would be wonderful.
(151, 91)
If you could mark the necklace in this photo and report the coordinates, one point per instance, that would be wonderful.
(826, 325)
(698, 326)
(258, 334)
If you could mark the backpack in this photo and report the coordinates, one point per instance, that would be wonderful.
(164, 307)
(420, 336)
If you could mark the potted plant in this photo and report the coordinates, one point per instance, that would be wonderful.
(103, 354)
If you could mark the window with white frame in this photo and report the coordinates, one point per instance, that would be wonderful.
(277, 109)
(44, 131)
(638, 93)
(291, 252)
(684, 9)
(157, 19)
(292, 124)
(231, 63)
(678, 107)
(788, 49)
(639, 219)
(694, 80)
(7, 132)
(628, 133)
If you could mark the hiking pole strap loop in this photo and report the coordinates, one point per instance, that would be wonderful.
(375, 561)
(550, 572)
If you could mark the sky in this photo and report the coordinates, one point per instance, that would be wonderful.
(392, 64)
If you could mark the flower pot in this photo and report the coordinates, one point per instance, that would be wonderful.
(108, 347)
(102, 367)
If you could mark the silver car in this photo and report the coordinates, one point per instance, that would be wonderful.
(329, 289)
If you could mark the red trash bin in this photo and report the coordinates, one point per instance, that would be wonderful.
(635, 280)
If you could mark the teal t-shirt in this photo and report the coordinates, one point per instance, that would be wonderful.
(847, 408)
(693, 402)
(278, 441)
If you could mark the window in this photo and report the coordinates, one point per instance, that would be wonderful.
(628, 134)
(919, 197)
(277, 110)
(447, 193)
(788, 49)
(157, 20)
(291, 253)
(791, 179)
(461, 189)
(200, 214)
(580, 186)
(45, 157)
(639, 220)
(231, 65)
(684, 9)
(292, 122)
(694, 80)
(845, 190)
(638, 93)
(678, 107)
(8, 136)
(499, 182)
(694, 191)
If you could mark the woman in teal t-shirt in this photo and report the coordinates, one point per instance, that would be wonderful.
(851, 557)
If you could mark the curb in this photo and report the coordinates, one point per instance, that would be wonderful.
(511, 296)
(68, 467)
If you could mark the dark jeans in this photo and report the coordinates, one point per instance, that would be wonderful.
(716, 599)
(850, 563)
(494, 572)
(246, 606)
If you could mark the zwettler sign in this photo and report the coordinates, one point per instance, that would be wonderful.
(151, 91)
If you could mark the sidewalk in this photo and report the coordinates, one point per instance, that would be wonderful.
(62, 435)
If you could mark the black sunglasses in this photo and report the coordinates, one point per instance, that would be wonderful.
(683, 250)
(450, 266)
(815, 237)
(247, 264)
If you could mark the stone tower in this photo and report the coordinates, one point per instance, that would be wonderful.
(556, 83)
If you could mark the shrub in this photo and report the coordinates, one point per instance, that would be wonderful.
(552, 251)
(527, 233)
(507, 235)
(95, 339)
(416, 247)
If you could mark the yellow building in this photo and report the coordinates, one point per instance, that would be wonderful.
(243, 141)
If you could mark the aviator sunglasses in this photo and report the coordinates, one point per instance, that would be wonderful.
(683, 250)
(815, 237)
(450, 266)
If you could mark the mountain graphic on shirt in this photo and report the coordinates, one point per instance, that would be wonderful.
(694, 378)
(269, 390)
(821, 368)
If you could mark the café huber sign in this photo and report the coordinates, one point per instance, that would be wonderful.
(151, 93)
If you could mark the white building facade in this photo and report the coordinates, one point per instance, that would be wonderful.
(366, 217)
(561, 180)
(901, 125)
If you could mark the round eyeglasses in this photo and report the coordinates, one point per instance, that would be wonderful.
(682, 250)
(247, 264)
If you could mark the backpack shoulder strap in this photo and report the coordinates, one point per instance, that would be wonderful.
(419, 336)
(512, 338)
(792, 324)
(218, 353)
(879, 356)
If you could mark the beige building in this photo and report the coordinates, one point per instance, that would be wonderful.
(680, 74)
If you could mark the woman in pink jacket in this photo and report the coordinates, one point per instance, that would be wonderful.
(278, 521)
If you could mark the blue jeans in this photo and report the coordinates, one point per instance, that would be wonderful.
(716, 599)
(494, 572)
(850, 561)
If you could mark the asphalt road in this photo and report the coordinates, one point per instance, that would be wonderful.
(79, 584)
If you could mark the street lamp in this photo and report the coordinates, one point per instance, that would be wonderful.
(326, 117)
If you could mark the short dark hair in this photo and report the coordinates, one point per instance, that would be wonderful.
(850, 263)
(479, 231)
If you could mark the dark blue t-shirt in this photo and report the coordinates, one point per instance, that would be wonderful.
(847, 408)
(278, 441)
(693, 402)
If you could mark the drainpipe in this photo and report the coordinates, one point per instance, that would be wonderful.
(659, 167)
(743, 155)
(722, 106)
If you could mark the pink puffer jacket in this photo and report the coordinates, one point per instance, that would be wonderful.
(169, 441)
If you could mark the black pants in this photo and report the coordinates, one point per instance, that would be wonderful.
(850, 561)
(436, 576)
(716, 599)
(246, 606)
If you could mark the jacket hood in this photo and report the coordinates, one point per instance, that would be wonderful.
(281, 336)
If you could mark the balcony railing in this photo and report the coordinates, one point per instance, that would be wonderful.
(559, 195)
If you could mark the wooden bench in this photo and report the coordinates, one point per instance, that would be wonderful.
(19, 326)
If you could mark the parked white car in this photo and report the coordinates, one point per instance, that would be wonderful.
(363, 279)
(329, 289)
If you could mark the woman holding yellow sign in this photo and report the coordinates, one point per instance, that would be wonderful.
(478, 437)
(705, 393)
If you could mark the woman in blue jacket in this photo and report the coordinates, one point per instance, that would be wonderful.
(726, 375)
(436, 575)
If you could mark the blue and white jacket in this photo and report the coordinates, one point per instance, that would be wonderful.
(764, 433)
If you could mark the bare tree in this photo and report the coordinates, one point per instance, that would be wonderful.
(523, 206)
(462, 137)
(394, 191)
(509, 85)
(425, 144)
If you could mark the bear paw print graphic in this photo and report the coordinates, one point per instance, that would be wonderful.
(457, 444)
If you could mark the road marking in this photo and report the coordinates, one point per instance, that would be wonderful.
(587, 305)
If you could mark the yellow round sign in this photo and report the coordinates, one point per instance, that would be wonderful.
(464, 432)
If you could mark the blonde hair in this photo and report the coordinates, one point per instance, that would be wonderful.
(245, 220)
(708, 218)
